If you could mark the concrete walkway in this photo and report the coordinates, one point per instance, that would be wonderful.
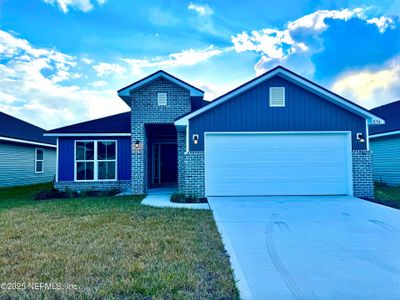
(160, 197)
(311, 247)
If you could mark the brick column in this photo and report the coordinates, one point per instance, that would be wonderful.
(363, 184)
(194, 173)
(139, 159)
(181, 140)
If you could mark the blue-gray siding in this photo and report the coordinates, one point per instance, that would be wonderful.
(17, 165)
(250, 111)
(386, 154)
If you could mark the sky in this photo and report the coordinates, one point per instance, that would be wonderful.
(62, 61)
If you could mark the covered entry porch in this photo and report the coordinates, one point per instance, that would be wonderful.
(162, 155)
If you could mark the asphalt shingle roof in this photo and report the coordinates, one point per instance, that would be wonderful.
(391, 114)
(120, 123)
(11, 127)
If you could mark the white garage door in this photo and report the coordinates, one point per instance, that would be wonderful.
(238, 164)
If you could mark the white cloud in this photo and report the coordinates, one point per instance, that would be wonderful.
(86, 60)
(371, 86)
(277, 45)
(316, 20)
(203, 10)
(382, 23)
(187, 57)
(83, 5)
(103, 69)
(99, 83)
(36, 86)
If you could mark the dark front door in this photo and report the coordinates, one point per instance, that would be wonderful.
(169, 163)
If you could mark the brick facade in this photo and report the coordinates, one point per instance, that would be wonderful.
(181, 137)
(363, 185)
(121, 185)
(145, 110)
(194, 174)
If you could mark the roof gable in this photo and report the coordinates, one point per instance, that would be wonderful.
(294, 78)
(391, 114)
(124, 93)
(14, 129)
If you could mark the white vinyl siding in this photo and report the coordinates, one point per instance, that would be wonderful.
(95, 160)
(162, 99)
(276, 96)
(251, 164)
(17, 165)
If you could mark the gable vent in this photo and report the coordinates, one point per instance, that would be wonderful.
(162, 98)
(276, 96)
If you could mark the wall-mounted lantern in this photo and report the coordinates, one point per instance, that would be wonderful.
(360, 137)
(195, 139)
(137, 144)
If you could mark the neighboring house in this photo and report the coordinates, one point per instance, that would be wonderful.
(278, 134)
(385, 144)
(26, 156)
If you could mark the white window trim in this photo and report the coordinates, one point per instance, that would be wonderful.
(270, 96)
(37, 160)
(96, 161)
(166, 99)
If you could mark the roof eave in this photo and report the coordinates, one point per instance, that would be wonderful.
(21, 141)
(72, 134)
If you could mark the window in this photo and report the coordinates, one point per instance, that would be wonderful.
(39, 159)
(95, 160)
(277, 97)
(106, 158)
(162, 98)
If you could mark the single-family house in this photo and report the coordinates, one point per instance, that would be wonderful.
(26, 156)
(385, 144)
(278, 134)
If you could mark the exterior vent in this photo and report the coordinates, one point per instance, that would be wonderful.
(277, 97)
(162, 98)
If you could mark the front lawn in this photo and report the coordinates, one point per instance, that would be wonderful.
(109, 247)
(387, 195)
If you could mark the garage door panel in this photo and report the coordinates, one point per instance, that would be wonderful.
(277, 164)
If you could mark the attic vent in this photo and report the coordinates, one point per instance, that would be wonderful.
(162, 98)
(277, 97)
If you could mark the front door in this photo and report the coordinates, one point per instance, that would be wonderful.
(165, 163)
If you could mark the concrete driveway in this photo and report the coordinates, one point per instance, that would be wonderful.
(311, 247)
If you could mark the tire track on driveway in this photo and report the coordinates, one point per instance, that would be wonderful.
(276, 260)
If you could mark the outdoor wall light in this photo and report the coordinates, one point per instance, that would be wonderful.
(137, 144)
(360, 137)
(195, 139)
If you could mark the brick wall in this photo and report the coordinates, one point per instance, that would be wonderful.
(121, 185)
(194, 174)
(181, 137)
(363, 185)
(145, 110)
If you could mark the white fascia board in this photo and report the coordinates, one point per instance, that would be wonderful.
(372, 119)
(372, 136)
(26, 142)
(87, 134)
(193, 92)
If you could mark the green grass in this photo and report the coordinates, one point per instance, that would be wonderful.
(387, 195)
(110, 247)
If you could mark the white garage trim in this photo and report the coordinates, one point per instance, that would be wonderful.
(345, 143)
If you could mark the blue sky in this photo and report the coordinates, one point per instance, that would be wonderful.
(62, 61)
